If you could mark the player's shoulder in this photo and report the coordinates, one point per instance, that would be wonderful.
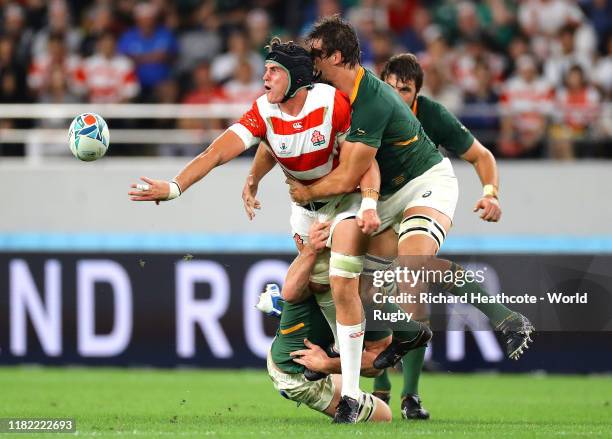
(427, 105)
(322, 93)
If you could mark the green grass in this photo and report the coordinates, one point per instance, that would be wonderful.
(243, 404)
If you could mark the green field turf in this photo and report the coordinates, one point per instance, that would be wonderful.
(243, 404)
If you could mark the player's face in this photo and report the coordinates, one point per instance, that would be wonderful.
(406, 90)
(322, 63)
(276, 82)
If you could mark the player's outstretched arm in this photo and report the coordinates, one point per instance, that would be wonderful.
(355, 159)
(223, 149)
(262, 164)
(484, 163)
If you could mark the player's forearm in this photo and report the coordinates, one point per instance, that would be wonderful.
(262, 164)
(298, 276)
(332, 365)
(223, 149)
(484, 163)
(355, 160)
(339, 181)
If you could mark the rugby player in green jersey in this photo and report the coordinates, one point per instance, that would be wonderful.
(418, 187)
(404, 73)
(304, 335)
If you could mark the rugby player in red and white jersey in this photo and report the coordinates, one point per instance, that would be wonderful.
(301, 123)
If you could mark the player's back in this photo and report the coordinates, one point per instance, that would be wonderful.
(381, 119)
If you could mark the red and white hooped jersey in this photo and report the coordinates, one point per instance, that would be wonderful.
(306, 145)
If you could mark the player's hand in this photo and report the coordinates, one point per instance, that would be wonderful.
(491, 210)
(248, 197)
(368, 221)
(150, 190)
(313, 357)
(318, 235)
(298, 192)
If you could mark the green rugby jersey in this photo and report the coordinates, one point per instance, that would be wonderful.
(441, 126)
(382, 120)
(305, 320)
(299, 321)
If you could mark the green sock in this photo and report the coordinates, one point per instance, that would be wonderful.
(496, 312)
(404, 329)
(382, 382)
(412, 364)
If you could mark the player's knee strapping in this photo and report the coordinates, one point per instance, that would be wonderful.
(346, 266)
(422, 225)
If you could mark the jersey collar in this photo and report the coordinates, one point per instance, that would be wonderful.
(415, 105)
(358, 79)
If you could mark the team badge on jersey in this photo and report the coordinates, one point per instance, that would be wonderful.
(317, 138)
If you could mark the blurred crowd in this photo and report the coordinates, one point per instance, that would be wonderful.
(531, 78)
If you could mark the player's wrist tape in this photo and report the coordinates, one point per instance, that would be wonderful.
(175, 190)
(489, 190)
(366, 204)
(370, 192)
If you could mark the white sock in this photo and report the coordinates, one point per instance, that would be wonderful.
(351, 345)
(328, 308)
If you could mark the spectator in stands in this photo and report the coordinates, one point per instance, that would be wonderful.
(472, 50)
(440, 88)
(526, 104)
(204, 91)
(223, 66)
(58, 22)
(563, 56)
(98, 20)
(412, 37)
(258, 29)
(201, 40)
(244, 87)
(152, 47)
(577, 107)
(437, 50)
(12, 73)
(109, 77)
(480, 112)
(55, 59)
(14, 27)
(382, 50)
(603, 70)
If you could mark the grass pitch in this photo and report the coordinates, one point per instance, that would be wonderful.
(243, 404)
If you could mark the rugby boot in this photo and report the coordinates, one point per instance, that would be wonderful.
(516, 329)
(397, 349)
(411, 408)
(347, 411)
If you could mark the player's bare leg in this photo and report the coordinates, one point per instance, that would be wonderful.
(346, 263)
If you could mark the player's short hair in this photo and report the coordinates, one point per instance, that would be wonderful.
(337, 34)
(405, 67)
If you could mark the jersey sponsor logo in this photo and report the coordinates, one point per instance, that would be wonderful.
(298, 125)
(317, 138)
(360, 132)
(426, 194)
